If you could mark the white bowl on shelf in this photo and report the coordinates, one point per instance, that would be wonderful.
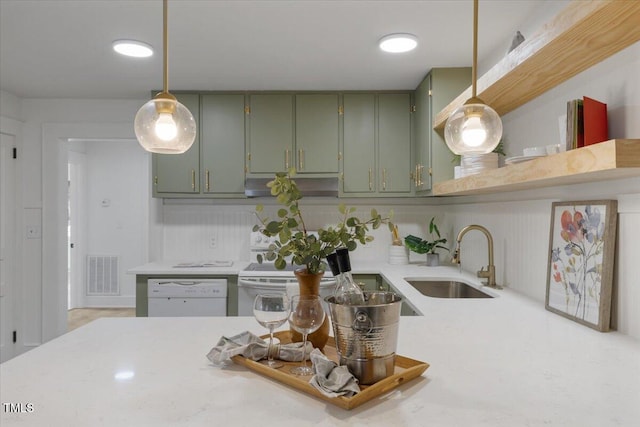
(534, 151)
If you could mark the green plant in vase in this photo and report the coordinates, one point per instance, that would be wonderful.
(306, 249)
(421, 246)
(295, 241)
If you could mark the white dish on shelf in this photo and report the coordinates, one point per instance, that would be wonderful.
(520, 159)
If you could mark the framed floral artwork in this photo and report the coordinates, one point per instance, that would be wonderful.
(581, 257)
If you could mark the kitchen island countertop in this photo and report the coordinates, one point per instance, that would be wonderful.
(503, 361)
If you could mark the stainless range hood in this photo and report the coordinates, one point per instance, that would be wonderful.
(326, 187)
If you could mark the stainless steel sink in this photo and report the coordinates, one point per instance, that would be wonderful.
(446, 289)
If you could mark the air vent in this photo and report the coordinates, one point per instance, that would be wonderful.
(102, 275)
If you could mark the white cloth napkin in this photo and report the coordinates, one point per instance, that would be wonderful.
(330, 379)
(254, 348)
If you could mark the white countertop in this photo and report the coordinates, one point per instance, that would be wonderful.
(504, 361)
(169, 268)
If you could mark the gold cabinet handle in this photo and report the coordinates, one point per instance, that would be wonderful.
(206, 180)
(286, 159)
(300, 159)
(370, 179)
(418, 177)
(384, 179)
(193, 179)
(415, 175)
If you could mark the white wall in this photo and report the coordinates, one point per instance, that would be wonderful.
(117, 211)
(521, 228)
(47, 126)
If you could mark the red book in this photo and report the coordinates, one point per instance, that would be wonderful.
(596, 128)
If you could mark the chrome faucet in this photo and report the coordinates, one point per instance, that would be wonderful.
(490, 272)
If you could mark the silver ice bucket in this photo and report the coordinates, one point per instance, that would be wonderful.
(366, 335)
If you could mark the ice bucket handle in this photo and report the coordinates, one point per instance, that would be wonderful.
(362, 323)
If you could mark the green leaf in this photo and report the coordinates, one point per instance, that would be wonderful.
(280, 263)
(274, 227)
(259, 207)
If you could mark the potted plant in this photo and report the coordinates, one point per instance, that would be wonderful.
(420, 246)
(304, 248)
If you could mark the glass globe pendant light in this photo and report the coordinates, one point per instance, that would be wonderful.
(163, 125)
(474, 128)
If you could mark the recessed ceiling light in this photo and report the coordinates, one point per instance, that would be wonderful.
(133, 48)
(398, 43)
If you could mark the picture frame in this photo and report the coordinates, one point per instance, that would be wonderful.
(582, 243)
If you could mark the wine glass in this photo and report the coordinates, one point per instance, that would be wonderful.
(271, 311)
(306, 316)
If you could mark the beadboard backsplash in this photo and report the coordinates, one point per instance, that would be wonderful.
(520, 231)
(189, 230)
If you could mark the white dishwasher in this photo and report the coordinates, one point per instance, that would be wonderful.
(180, 297)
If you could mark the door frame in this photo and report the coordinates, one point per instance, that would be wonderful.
(8, 237)
(13, 128)
(54, 213)
(77, 211)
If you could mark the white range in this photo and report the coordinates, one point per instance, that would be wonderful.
(259, 278)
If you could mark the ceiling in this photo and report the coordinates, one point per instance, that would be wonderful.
(62, 48)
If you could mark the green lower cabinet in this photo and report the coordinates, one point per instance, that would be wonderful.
(178, 173)
(370, 282)
(222, 139)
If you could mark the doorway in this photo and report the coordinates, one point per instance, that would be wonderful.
(107, 216)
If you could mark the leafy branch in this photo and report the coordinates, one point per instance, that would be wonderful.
(295, 241)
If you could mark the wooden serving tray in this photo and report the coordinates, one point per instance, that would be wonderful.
(405, 370)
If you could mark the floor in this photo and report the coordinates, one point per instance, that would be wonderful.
(81, 316)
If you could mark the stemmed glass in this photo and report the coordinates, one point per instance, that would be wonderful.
(306, 316)
(271, 311)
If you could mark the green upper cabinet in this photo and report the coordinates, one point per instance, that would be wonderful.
(317, 133)
(222, 139)
(178, 173)
(293, 131)
(434, 160)
(359, 141)
(422, 127)
(394, 142)
(377, 144)
(270, 133)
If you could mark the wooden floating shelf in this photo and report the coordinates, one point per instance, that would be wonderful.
(583, 34)
(613, 159)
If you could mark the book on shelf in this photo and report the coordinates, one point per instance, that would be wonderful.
(586, 123)
(596, 127)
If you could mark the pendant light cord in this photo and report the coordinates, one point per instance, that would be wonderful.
(165, 46)
(474, 65)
